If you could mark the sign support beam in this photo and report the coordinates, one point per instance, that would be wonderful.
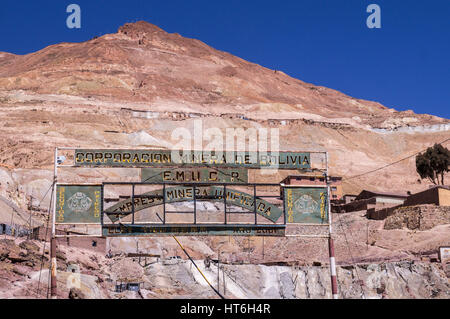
(53, 265)
(334, 288)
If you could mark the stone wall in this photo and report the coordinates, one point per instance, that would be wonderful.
(422, 217)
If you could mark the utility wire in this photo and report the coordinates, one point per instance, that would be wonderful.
(45, 238)
(393, 163)
(39, 205)
(351, 255)
(193, 262)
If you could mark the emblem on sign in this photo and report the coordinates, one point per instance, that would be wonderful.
(306, 204)
(79, 202)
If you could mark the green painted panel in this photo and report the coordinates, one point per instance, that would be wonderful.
(192, 230)
(185, 193)
(78, 204)
(306, 205)
(164, 158)
(195, 175)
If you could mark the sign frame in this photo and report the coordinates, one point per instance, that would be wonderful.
(57, 203)
(194, 198)
(327, 205)
(192, 158)
(58, 163)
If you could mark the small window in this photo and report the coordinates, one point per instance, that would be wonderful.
(94, 243)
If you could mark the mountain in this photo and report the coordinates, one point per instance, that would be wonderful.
(137, 85)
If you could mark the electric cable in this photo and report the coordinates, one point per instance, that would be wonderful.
(351, 256)
(390, 164)
(193, 262)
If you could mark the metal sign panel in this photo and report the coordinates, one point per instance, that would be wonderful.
(194, 175)
(306, 205)
(78, 204)
(164, 158)
(193, 230)
(185, 193)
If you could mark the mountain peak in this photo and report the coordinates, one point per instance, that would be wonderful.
(143, 63)
(139, 28)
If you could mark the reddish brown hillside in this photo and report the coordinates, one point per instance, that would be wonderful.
(142, 62)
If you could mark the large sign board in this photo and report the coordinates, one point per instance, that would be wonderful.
(186, 193)
(306, 205)
(78, 204)
(192, 230)
(165, 158)
(194, 175)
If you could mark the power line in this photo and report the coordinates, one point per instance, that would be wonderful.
(45, 238)
(351, 255)
(193, 262)
(393, 163)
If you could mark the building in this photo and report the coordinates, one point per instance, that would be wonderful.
(305, 180)
(16, 222)
(348, 198)
(370, 200)
(131, 286)
(383, 198)
(438, 195)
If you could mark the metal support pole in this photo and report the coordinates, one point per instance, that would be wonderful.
(164, 204)
(132, 204)
(254, 204)
(53, 285)
(332, 268)
(225, 202)
(102, 193)
(334, 289)
(218, 271)
(195, 206)
(53, 266)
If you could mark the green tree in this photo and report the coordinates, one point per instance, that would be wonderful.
(433, 163)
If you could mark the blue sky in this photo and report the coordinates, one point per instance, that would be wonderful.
(404, 65)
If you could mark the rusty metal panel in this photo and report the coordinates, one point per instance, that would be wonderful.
(165, 158)
(306, 205)
(194, 175)
(78, 204)
(192, 230)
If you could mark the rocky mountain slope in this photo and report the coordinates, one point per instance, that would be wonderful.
(143, 63)
(96, 276)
